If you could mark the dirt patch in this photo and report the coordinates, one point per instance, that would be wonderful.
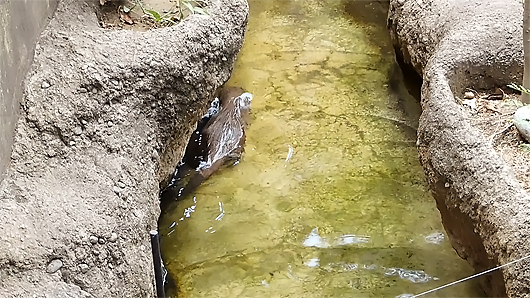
(493, 118)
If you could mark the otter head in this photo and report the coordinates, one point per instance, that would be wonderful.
(244, 100)
(235, 96)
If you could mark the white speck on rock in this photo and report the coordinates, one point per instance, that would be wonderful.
(113, 237)
(45, 85)
(83, 267)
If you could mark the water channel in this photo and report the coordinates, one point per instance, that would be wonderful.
(329, 199)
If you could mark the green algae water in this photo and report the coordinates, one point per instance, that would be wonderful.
(329, 199)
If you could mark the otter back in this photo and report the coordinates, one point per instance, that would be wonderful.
(220, 142)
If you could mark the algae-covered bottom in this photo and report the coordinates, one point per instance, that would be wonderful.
(329, 199)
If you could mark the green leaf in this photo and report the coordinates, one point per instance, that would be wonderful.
(200, 11)
(519, 88)
(525, 147)
(155, 15)
(188, 6)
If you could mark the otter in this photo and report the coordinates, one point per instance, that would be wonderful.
(218, 141)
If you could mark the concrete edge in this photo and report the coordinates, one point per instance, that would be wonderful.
(21, 23)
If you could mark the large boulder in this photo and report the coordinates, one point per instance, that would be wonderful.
(105, 117)
(455, 44)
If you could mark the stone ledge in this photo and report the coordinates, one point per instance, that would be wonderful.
(455, 44)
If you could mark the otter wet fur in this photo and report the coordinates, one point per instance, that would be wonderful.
(218, 141)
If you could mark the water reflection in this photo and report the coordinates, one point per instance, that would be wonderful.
(315, 240)
(329, 199)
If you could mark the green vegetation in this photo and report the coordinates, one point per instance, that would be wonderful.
(519, 88)
(177, 13)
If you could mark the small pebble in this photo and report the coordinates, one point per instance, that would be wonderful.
(113, 237)
(224, 59)
(72, 143)
(94, 90)
(82, 90)
(101, 241)
(96, 252)
(469, 95)
(84, 267)
(45, 85)
(121, 184)
(141, 75)
(84, 122)
(110, 124)
(115, 83)
(78, 131)
(54, 265)
(93, 239)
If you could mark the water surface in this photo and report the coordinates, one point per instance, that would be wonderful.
(329, 199)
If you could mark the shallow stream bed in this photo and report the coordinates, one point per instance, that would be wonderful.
(329, 199)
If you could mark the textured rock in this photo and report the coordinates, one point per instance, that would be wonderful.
(455, 44)
(111, 99)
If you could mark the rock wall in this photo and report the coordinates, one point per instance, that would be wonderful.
(21, 23)
(455, 44)
(105, 116)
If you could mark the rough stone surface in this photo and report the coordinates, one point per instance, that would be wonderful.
(114, 97)
(455, 44)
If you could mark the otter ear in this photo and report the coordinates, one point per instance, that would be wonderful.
(245, 99)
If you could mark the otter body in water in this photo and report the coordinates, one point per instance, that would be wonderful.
(218, 141)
